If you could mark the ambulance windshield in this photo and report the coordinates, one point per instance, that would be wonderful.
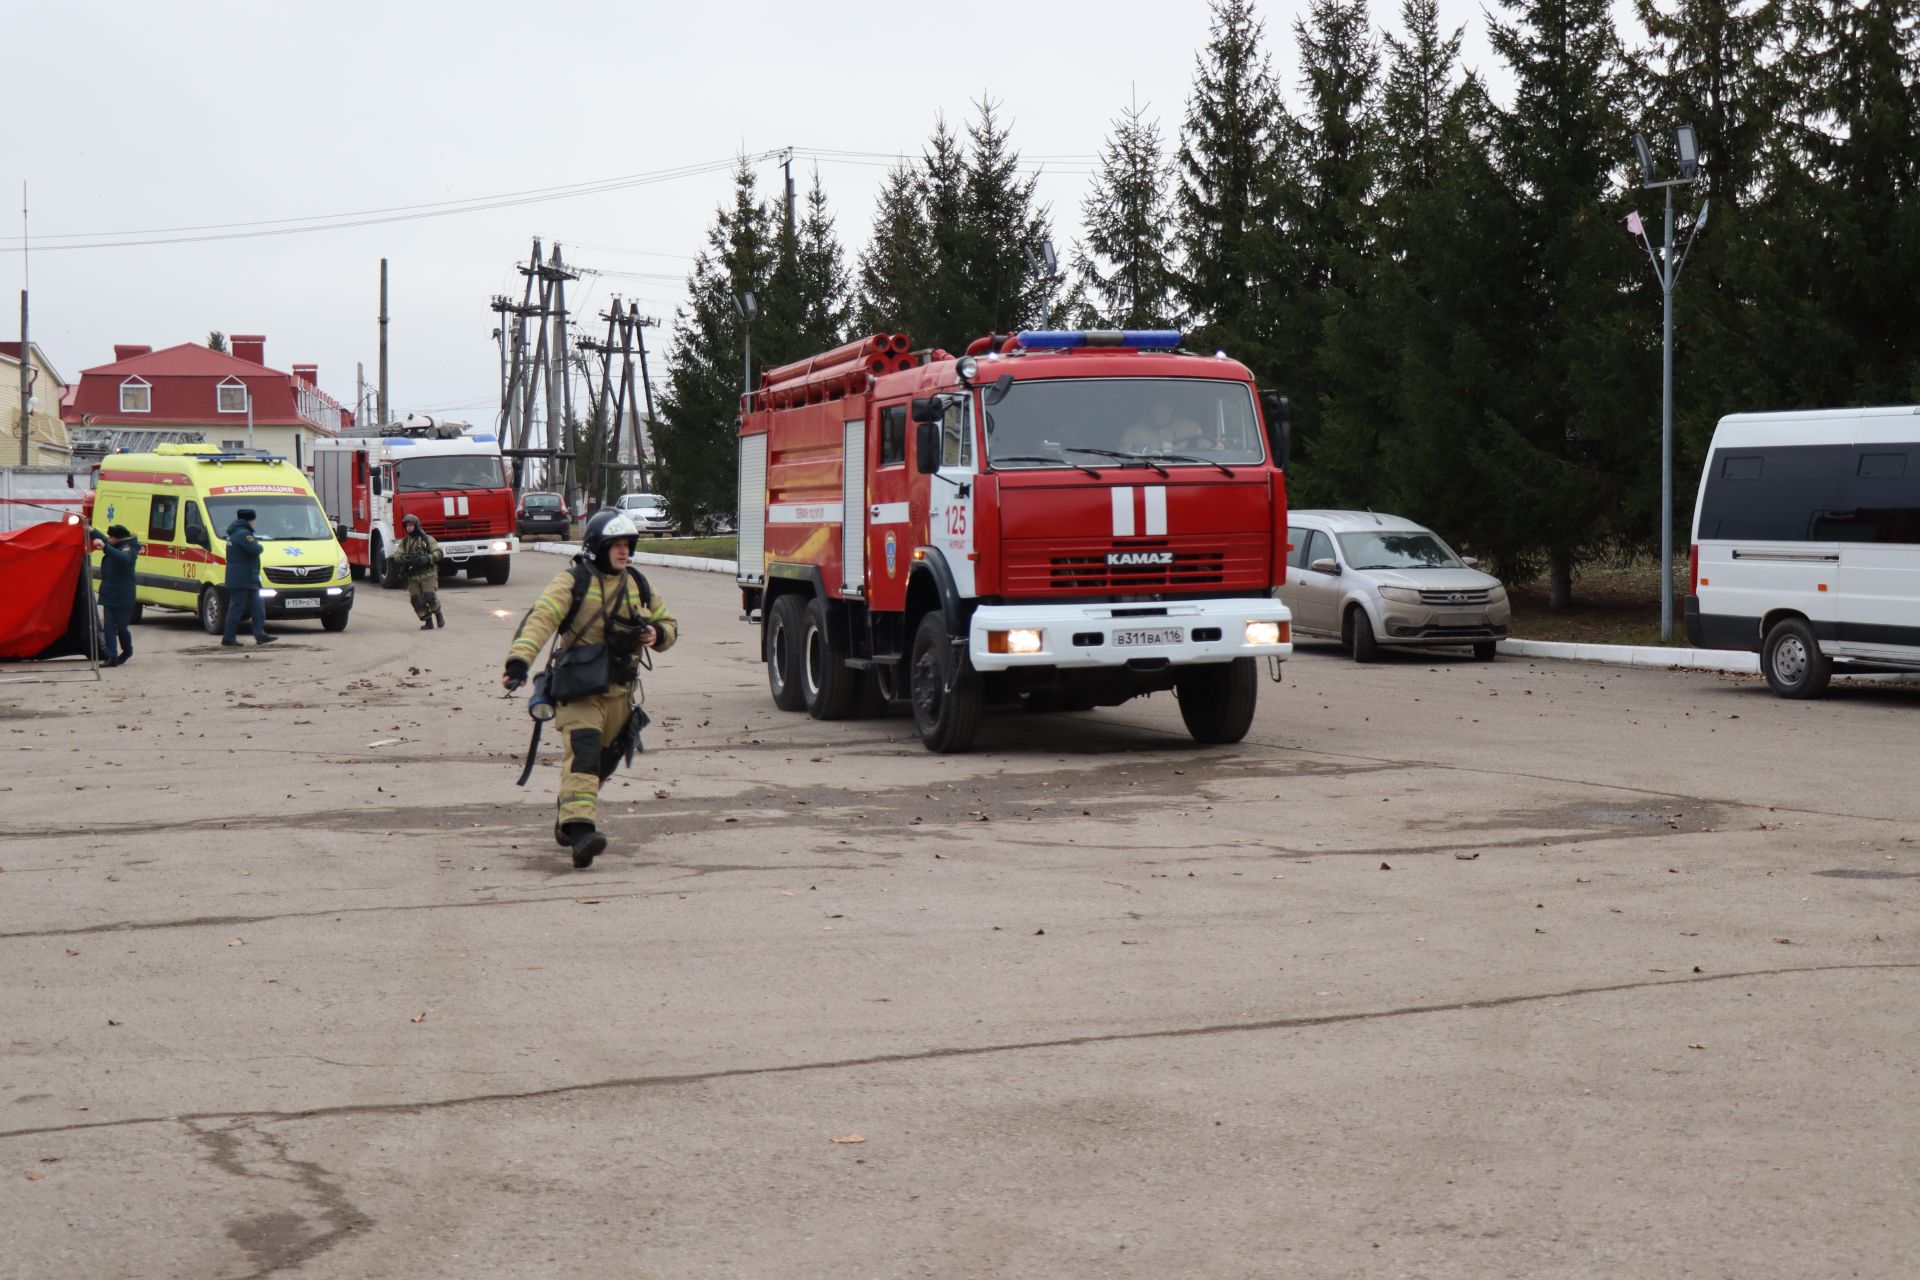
(1100, 421)
(451, 471)
(276, 517)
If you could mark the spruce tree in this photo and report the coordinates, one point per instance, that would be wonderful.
(1123, 271)
(1581, 462)
(1231, 148)
(1340, 71)
(1004, 222)
(823, 278)
(898, 259)
(696, 439)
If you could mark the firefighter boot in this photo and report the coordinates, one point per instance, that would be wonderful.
(426, 624)
(439, 616)
(584, 840)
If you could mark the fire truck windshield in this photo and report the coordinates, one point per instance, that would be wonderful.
(450, 471)
(276, 517)
(1169, 422)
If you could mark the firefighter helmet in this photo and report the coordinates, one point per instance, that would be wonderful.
(607, 525)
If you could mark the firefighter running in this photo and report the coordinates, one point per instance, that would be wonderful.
(595, 601)
(418, 556)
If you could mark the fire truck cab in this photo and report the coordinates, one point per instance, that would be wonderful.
(370, 479)
(1062, 520)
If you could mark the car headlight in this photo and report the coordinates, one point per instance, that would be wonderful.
(343, 569)
(1498, 595)
(1402, 595)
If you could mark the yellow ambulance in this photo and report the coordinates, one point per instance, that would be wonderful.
(179, 501)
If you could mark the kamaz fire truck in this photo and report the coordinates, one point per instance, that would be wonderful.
(370, 479)
(1062, 520)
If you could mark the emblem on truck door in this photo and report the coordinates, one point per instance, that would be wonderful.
(1139, 557)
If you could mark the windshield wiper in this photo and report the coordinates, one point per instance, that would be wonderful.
(1140, 458)
(1035, 457)
(1207, 462)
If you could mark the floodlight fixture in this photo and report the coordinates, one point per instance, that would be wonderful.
(1689, 149)
(1646, 158)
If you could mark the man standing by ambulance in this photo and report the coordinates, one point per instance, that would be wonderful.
(243, 581)
(596, 601)
(119, 552)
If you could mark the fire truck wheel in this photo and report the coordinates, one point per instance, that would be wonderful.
(379, 568)
(497, 570)
(945, 689)
(823, 668)
(783, 654)
(1217, 700)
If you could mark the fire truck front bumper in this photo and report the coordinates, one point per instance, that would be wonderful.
(1178, 633)
(467, 548)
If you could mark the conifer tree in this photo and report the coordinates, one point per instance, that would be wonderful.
(696, 439)
(1340, 70)
(823, 280)
(1003, 222)
(1123, 271)
(898, 259)
(1231, 148)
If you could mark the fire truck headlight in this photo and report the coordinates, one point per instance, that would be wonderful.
(967, 368)
(1018, 640)
(498, 546)
(1268, 633)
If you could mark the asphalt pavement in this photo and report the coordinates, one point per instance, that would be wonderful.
(1531, 969)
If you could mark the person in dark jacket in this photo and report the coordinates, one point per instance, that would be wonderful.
(243, 580)
(119, 549)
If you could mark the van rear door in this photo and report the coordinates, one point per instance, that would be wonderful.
(1879, 545)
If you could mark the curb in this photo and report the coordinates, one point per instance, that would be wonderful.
(1726, 661)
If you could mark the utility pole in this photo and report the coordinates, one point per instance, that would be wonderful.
(786, 166)
(26, 383)
(359, 393)
(640, 327)
(385, 415)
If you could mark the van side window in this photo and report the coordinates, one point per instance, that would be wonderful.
(196, 528)
(1777, 494)
(1885, 501)
(893, 436)
(163, 518)
(1740, 467)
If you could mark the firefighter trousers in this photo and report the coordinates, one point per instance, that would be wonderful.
(423, 592)
(592, 734)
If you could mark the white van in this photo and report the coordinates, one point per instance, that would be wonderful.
(1806, 544)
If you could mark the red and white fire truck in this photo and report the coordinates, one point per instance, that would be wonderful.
(1060, 519)
(370, 479)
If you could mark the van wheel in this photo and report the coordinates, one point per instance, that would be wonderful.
(212, 611)
(1217, 699)
(1360, 632)
(946, 689)
(783, 654)
(337, 620)
(823, 667)
(1792, 660)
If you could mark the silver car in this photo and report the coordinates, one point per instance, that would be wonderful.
(1369, 580)
(649, 511)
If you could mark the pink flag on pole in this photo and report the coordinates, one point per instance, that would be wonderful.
(1635, 225)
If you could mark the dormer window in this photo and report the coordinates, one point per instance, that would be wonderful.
(136, 396)
(232, 396)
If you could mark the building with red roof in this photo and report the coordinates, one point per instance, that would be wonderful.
(190, 388)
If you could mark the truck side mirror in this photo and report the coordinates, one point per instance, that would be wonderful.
(926, 408)
(376, 482)
(926, 446)
(1279, 426)
(197, 537)
(998, 390)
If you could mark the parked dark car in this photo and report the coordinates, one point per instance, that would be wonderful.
(542, 513)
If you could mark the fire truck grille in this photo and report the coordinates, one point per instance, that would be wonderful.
(1102, 567)
(304, 576)
(456, 528)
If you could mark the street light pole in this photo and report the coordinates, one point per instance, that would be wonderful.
(747, 307)
(1666, 269)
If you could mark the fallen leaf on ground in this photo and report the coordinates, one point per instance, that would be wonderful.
(1696, 1046)
(238, 942)
(419, 1017)
(1467, 857)
(1386, 866)
(848, 1139)
(588, 902)
(34, 1175)
(72, 952)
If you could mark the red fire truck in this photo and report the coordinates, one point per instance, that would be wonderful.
(1062, 519)
(370, 479)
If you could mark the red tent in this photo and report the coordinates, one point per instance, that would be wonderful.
(47, 609)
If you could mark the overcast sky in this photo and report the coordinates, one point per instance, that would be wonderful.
(143, 120)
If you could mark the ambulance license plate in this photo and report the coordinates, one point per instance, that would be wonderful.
(302, 602)
(1162, 635)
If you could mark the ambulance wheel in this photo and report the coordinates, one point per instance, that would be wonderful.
(337, 620)
(945, 689)
(783, 654)
(1217, 699)
(212, 611)
(823, 668)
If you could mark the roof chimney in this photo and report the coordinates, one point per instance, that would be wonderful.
(309, 374)
(128, 350)
(248, 346)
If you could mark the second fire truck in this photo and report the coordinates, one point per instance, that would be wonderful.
(1060, 519)
(370, 479)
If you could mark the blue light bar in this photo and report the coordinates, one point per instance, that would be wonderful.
(396, 440)
(1068, 339)
(484, 439)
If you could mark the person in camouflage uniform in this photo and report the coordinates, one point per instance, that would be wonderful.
(600, 601)
(418, 556)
